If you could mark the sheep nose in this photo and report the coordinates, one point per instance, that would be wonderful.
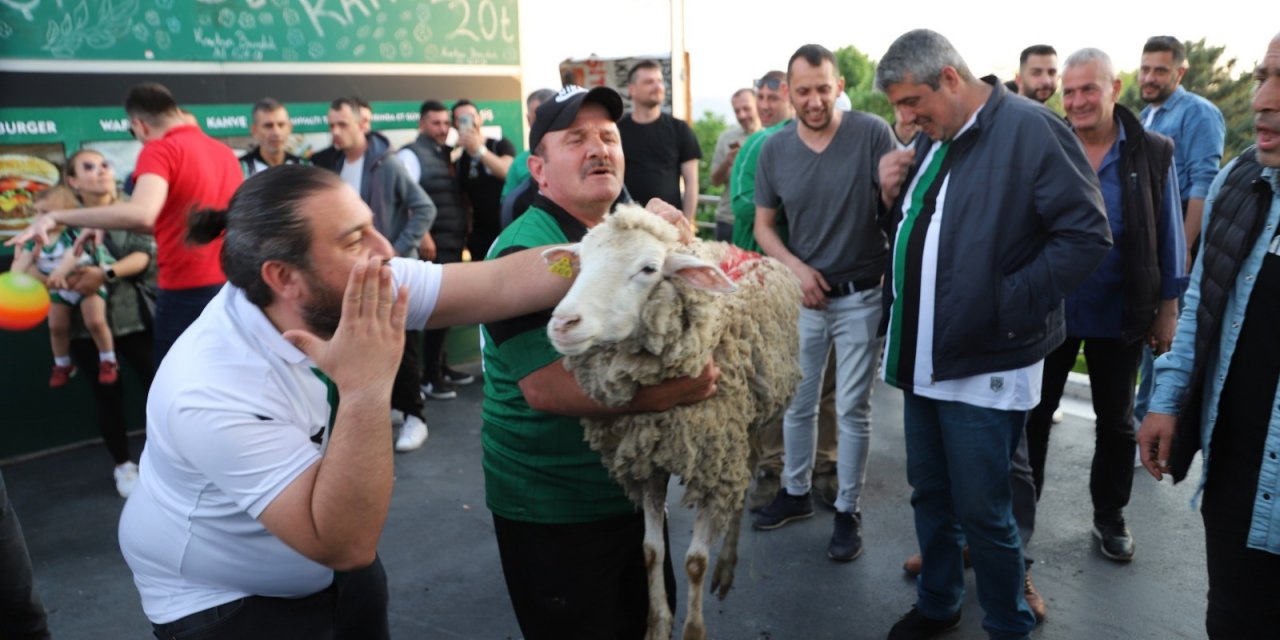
(564, 323)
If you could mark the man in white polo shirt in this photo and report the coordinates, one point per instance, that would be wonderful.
(261, 497)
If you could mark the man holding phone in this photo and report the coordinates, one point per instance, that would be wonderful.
(481, 171)
(727, 146)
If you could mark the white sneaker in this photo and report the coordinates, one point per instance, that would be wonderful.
(1059, 415)
(126, 476)
(412, 435)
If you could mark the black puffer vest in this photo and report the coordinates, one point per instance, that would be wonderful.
(449, 231)
(1144, 167)
(1238, 216)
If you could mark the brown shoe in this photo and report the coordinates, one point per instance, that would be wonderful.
(1037, 604)
(913, 564)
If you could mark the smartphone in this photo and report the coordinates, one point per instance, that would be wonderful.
(465, 121)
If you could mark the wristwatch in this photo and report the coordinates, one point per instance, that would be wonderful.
(109, 273)
(481, 152)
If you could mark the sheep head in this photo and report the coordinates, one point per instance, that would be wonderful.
(620, 263)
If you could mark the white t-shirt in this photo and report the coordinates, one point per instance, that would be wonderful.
(1016, 390)
(353, 173)
(235, 414)
(412, 167)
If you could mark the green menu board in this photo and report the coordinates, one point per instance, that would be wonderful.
(470, 32)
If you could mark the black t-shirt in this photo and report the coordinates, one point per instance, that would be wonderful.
(1244, 408)
(483, 188)
(654, 153)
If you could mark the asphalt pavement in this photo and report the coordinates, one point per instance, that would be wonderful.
(446, 581)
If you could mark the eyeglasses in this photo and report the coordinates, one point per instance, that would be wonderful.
(90, 167)
(772, 83)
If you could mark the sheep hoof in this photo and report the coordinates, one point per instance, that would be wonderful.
(694, 633)
(722, 579)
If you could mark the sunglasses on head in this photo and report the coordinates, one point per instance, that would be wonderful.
(88, 166)
(772, 83)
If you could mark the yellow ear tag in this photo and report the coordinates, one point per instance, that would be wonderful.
(562, 267)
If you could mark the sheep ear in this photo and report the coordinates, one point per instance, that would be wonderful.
(701, 274)
(563, 259)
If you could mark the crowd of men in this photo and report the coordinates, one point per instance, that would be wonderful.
(964, 254)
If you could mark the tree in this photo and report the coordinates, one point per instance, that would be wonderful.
(707, 130)
(1209, 76)
(859, 73)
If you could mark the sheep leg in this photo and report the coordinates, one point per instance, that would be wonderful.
(655, 515)
(695, 564)
(727, 559)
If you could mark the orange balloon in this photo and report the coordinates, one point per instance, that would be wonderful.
(24, 302)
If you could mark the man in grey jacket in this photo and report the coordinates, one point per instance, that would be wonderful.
(402, 212)
(993, 219)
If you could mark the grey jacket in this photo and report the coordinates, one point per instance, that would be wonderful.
(1025, 225)
(402, 211)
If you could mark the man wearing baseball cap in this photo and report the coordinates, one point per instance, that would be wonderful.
(571, 542)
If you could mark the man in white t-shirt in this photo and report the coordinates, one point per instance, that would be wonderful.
(992, 224)
(269, 461)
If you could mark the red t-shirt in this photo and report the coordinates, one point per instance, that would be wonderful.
(202, 173)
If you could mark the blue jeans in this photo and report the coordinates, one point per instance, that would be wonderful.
(176, 309)
(850, 323)
(958, 464)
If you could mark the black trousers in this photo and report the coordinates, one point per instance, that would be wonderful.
(1113, 371)
(22, 615)
(176, 309)
(354, 607)
(406, 395)
(108, 400)
(579, 581)
(433, 355)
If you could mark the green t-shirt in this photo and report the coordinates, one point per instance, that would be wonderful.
(516, 174)
(537, 467)
(743, 180)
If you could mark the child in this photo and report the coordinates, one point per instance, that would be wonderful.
(52, 264)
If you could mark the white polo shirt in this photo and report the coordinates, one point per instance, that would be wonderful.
(235, 414)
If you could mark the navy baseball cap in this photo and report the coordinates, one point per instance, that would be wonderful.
(559, 112)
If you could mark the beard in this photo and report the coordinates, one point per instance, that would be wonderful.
(323, 310)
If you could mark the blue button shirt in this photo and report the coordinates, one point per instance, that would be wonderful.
(1096, 309)
(1198, 131)
(1173, 370)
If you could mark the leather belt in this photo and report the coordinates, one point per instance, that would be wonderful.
(843, 289)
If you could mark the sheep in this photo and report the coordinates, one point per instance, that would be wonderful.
(644, 308)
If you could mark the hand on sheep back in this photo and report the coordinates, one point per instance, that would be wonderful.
(668, 212)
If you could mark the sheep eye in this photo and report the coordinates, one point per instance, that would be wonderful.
(649, 269)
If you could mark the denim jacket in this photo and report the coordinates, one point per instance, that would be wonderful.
(1173, 371)
(1198, 131)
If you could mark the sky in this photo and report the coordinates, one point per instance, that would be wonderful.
(730, 42)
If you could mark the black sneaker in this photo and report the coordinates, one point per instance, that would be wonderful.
(784, 508)
(846, 540)
(455, 377)
(914, 626)
(439, 390)
(1115, 540)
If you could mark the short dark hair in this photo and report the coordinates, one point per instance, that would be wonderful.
(429, 106)
(264, 221)
(453, 111)
(643, 64)
(541, 95)
(1036, 50)
(1157, 44)
(150, 101)
(350, 102)
(361, 102)
(813, 54)
(266, 105)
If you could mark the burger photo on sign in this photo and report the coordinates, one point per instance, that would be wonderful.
(22, 177)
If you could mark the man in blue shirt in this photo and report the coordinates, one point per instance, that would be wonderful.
(1130, 300)
(1197, 129)
(1216, 389)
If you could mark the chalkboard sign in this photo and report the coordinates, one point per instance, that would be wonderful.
(470, 32)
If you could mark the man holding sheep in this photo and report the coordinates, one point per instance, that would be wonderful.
(995, 218)
(570, 541)
(821, 169)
